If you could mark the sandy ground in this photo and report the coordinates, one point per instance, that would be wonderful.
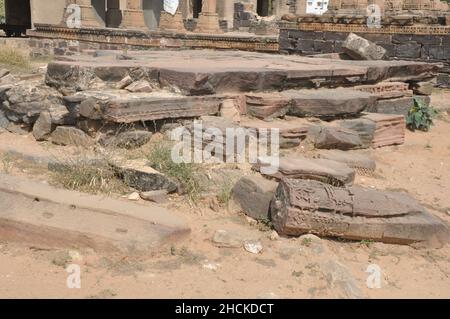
(287, 268)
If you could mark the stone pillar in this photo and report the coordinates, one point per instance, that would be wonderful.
(208, 21)
(88, 16)
(133, 16)
(172, 23)
(225, 9)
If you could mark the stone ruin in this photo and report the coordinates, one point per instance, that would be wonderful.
(114, 98)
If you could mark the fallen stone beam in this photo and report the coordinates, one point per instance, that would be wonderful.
(149, 108)
(355, 213)
(323, 170)
(36, 213)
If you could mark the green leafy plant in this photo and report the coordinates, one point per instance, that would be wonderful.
(421, 116)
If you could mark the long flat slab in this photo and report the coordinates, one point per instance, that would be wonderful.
(37, 213)
(201, 72)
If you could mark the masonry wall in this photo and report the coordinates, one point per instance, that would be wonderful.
(429, 48)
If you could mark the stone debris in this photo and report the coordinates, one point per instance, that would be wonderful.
(359, 48)
(334, 137)
(139, 87)
(386, 90)
(364, 127)
(158, 197)
(124, 83)
(253, 246)
(253, 194)
(323, 170)
(128, 140)
(43, 126)
(328, 103)
(267, 105)
(134, 196)
(224, 239)
(143, 178)
(302, 206)
(68, 135)
(353, 159)
(422, 88)
(389, 129)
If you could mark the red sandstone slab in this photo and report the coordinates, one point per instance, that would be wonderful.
(37, 213)
(208, 72)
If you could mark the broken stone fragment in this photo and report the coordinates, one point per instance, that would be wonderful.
(253, 246)
(126, 81)
(333, 137)
(253, 194)
(356, 213)
(267, 105)
(43, 126)
(139, 175)
(364, 127)
(141, 86)
(352, 159)
(68, 135)
(225, 239)
(422, 88)
(323, 170)
(159, 197)
(4, 122)
(328, 103)
(359, 48)
(128, 140)
(59, 114)
(389, 129)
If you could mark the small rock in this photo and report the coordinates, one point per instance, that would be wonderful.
(253, 246)
(254, 194)
(422, 88)
(214, 204)
(126, 81)
(134, 196)
(58, 114)
(43, 126)
(274, 236)
(224, 239)
(141, 86)
(313, 242)
(129, 140)
(359, 48)
(4, 122)
(68, 135)
(159, 197)
(337, 138)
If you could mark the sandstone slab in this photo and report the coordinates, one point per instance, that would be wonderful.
(355, 213)
(323, 170)
(38, 214)
(362, 49)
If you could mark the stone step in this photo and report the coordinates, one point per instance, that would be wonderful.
(205, 72)
(36, 213)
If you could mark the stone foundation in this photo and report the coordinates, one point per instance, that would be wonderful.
(405, 44)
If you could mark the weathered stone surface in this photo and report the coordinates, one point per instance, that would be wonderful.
(400, 106)
(218, 72)
(267, 105)
(328, 102)
(28, 100)
(142, 177)
(361, 49)
(59, 114)
(229, 110)
(4, 122)
(292, 130)
(129, 140)
(340, 280)
(253, 193)
(43, 127)
(139, 87)
(301, 206)
(386, 90)
(35, 213)
(389, 129)
(125, 82)
(159, 197)
(148, 107)
(352, 159)
(334, 137)
(323, 170)
(225, 239)
(67, 135)
(422, 88)
(364, 127)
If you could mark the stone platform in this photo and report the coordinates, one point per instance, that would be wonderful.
(206, 72)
